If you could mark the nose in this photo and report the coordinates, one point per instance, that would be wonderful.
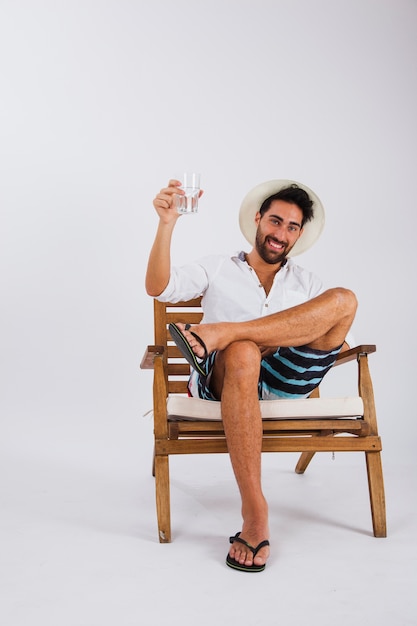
(280, 233)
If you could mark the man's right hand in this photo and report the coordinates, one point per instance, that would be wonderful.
(165, 201)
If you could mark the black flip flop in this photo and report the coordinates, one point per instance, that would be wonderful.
(246, 568)
(186, 350)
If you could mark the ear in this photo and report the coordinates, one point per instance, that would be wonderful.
(257, 219)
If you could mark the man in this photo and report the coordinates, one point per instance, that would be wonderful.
(268, 330)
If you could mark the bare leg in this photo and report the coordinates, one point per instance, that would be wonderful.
(321, 323)
(235, 382)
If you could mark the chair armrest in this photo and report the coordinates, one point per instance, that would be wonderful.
(353, 353)
(148, 359)
(151, 352)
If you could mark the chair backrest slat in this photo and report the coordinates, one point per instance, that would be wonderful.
(190, 312)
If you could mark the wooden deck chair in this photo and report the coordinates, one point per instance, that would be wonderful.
(184, 425)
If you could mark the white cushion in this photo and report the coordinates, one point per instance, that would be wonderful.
(182, 407)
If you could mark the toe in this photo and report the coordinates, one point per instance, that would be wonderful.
(241, 554)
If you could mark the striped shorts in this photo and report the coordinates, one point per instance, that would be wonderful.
(288, 373)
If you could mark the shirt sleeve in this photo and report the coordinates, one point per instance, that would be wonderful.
(185, 283)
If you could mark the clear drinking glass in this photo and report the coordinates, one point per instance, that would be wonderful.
(188, 203)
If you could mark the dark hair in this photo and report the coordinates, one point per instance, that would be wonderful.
(293, 195)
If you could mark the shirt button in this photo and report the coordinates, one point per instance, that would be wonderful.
(266, 305)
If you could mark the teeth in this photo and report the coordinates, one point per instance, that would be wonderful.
(275, 244)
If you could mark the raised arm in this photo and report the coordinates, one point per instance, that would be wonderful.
(159, 263)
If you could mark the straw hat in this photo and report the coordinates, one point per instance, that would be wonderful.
(252, 203)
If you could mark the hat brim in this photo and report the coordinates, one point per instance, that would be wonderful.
(252, 203)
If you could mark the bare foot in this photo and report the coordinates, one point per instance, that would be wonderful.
(212, 335)
(244, 555)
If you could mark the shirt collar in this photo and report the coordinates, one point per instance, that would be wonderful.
(242, 254)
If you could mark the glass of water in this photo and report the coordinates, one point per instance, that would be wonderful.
(188, 203)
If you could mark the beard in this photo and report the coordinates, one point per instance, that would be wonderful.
(268, 255)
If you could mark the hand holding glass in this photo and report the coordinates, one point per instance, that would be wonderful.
(188, 203)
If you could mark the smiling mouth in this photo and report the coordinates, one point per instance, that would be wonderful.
(275, 245)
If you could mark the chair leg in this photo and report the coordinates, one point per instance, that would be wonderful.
(303, 462)
(163, 498)
(376, 493)
(305, 458)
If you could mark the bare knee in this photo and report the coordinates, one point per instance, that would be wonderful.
(243, 358)
(237, 365)
(344, 300)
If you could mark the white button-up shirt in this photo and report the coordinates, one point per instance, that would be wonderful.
(232, 291)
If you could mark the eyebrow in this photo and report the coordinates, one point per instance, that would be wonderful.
(280, 219)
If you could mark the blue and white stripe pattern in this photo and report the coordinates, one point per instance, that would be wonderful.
(294, 372)
(288, 373)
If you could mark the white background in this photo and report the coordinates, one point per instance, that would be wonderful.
(101, 103)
